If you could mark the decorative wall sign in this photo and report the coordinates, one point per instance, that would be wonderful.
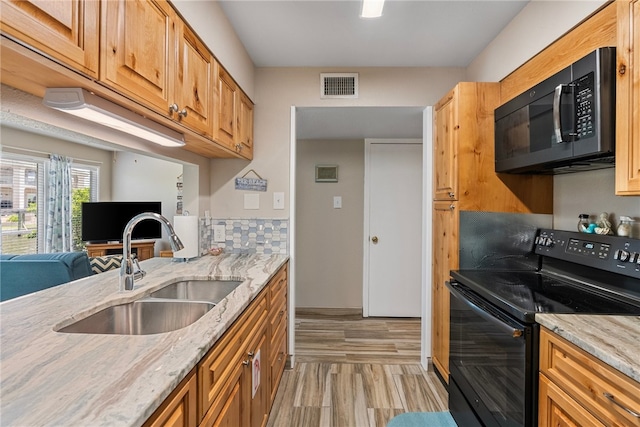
(326, 173)
(251, 184)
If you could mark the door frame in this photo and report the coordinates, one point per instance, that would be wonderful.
(366, 216)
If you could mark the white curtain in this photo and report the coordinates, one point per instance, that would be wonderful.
(58, 235)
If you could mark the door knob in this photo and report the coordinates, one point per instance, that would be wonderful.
(374, 239)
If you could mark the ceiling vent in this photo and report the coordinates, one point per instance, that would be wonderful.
(338, 85)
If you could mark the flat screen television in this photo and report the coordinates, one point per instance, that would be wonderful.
(105, 221)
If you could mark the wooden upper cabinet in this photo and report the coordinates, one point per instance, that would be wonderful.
(445, 177)
(65, 30)
(227, 93)
(628, 99)
(245, 125)
(138, 51)
(194, 82)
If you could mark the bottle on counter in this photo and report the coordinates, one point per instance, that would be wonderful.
(583, 223)
(624, 228)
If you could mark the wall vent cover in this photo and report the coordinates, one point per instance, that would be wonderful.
(338, 85)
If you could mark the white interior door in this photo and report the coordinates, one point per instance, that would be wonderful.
(393, 248)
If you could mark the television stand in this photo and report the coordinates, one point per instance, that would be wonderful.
(143, 250)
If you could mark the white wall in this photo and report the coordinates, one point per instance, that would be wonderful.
(329, 241)
(277, 89)
(141, 178)
(529, 33)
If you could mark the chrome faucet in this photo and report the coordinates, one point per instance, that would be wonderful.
(127, 273)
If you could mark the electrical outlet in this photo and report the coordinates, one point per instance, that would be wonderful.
(337, 202)
(218, 233)
(278, 200)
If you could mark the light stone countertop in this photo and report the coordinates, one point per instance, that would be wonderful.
(613, 339)
(51, 378)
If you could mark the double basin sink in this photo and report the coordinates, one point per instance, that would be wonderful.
(167, 309)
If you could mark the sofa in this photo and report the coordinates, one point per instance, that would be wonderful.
(24, 274)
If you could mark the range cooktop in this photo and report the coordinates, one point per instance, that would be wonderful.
(525, 293)
(577, 273)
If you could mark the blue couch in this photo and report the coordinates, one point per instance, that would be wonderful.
(24, 274)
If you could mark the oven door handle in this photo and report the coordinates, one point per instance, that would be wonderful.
(485, 312)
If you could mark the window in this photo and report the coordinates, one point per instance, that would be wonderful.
(22, 186)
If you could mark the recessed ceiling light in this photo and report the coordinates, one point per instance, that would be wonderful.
(372, 8)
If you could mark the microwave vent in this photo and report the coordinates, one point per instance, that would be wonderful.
(338, 85)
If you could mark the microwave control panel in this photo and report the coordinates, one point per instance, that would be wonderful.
(585, 111)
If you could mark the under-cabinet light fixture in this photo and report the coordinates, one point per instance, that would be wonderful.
(372, 8)
(84, 104)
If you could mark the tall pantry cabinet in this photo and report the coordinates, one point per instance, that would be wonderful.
(464, 178)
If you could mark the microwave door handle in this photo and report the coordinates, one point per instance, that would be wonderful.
(557, 123)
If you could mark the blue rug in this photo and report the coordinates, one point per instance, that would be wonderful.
(423, 419)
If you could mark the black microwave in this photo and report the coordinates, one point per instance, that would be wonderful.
(564, 124)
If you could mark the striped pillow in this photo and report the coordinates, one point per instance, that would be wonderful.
(100, 264)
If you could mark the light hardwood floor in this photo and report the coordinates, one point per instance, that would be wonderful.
(353, 372)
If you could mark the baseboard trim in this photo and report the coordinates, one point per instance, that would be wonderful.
(328, 312)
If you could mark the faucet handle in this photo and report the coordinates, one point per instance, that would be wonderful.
(138, 273)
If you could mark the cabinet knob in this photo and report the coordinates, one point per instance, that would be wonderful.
(622, 69)
(173, 108)
(251, 354)
(246, 362)
(452, 207)
(451, 194)
(374, 239)
(238, 147)
(182, 113)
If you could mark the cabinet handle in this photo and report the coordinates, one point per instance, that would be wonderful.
(173, 108)
(612, 398)
(182, 113)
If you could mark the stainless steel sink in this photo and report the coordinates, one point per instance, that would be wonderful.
(212, 291)
(141, 317)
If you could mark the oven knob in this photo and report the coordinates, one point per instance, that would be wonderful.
(635, 257)
(622, 255)
(548, 242)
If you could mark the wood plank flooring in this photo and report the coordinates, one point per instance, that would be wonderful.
(354, 372)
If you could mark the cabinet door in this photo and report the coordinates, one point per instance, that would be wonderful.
(445, 149)
(194, 82)
(66, 30)
(445, 258)
(245, 126)
(228, 409)
(138, 50)
(227, 93)
(179, 409)
(628, 99)
(257, 379)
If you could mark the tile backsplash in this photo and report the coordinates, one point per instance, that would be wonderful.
(257, 235)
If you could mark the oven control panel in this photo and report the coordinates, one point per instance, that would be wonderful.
(612, 253)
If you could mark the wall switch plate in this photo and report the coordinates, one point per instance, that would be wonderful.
(337, 202)
(278, 200)
(218, 233)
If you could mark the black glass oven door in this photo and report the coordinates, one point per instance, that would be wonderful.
(491, 361)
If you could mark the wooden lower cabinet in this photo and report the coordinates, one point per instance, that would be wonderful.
(235, 382)
(574, 386)
(179, 409)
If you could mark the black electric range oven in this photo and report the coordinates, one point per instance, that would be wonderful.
(494, 337)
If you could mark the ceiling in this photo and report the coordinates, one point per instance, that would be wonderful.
(330, 33)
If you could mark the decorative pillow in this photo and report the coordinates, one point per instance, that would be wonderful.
(100, 264)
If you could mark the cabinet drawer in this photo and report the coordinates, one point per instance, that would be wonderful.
(556, 408)
(218, 365)
(277, 315)
(278, 283)
(588, 381)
